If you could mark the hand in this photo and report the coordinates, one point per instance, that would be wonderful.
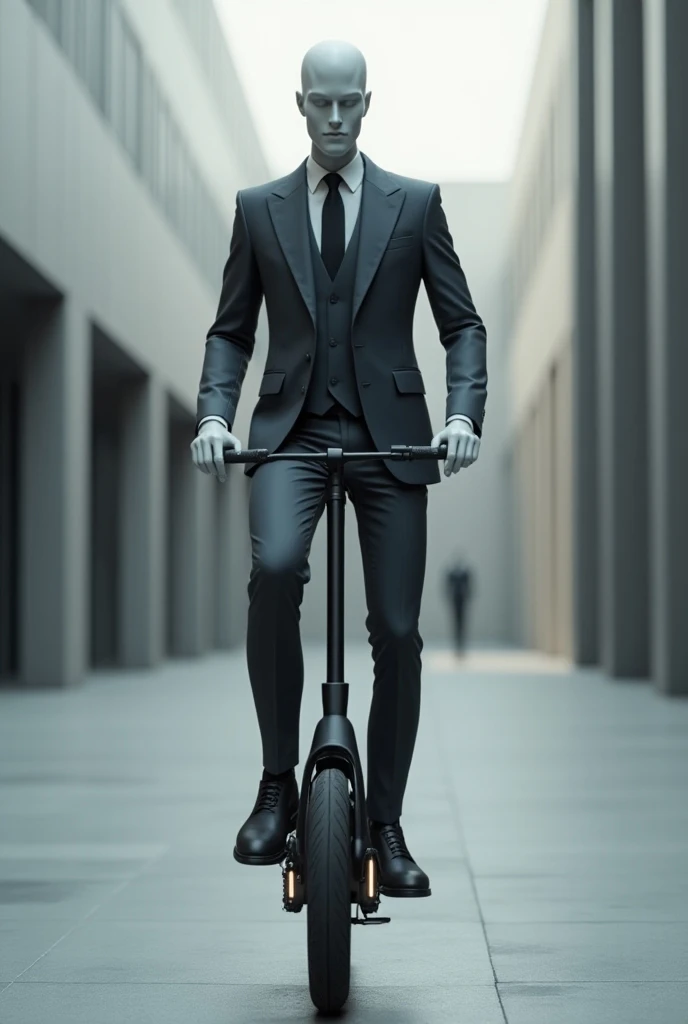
(206, 449)
(463, 446)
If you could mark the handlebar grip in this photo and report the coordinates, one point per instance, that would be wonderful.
(419, 451)
(245, 455)
(428, 452)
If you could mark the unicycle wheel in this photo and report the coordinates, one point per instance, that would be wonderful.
(328, 886)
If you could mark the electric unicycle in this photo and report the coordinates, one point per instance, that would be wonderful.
(329, 861)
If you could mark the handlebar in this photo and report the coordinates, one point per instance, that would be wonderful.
(337, 455)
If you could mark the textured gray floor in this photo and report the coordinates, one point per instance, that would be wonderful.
(550, 810)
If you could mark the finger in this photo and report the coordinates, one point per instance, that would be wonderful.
(468, 458)
(206, 455)
(461, 453)
(198, 454)
(475, 449)
(219, 459)
(452, 448)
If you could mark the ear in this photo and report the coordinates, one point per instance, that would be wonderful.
(367, 103)
(299, 102)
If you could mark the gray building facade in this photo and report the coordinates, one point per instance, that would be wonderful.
(602, 495)
(124, 138)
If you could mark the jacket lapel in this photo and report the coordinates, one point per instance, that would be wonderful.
(288, 208)
(381, 203)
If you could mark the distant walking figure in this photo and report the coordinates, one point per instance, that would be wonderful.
(458, 584)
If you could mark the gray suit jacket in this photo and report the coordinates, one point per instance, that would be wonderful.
(404, 239)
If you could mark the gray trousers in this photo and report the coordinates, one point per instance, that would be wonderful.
(287, 500)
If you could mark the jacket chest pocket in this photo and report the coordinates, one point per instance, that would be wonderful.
(400, 242)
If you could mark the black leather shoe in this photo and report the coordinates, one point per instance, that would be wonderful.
(399, 873)
(263, 836)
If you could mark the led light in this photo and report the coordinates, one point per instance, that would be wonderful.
(371, 878)
(291, 883)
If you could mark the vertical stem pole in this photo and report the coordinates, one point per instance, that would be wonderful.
(336, 499)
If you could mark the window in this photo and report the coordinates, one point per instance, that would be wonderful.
(146, 126)
(115, 91)
(51, 13)
(131, 95)
(162, 133)
(93, 65)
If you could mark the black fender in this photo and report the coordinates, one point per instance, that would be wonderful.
(334, 746)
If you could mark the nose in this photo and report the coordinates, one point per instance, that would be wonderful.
(335, 119)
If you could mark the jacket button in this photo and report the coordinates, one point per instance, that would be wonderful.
(334, 380)
(332, 343)
(308, 356)
(303, 389)
(334, 298)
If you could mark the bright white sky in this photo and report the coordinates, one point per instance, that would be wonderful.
(449, 78)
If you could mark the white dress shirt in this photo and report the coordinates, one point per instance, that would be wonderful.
(350, 190)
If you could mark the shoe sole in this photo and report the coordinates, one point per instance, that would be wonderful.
(272, 858)
(405, 893)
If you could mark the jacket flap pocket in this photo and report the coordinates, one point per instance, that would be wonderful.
(409, 381)
(272, 382)
(399, 241)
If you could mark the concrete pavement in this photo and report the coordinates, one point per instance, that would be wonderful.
(548, 807)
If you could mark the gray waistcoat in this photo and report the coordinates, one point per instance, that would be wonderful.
(334, 377)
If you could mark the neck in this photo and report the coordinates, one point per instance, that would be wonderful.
(333, 163)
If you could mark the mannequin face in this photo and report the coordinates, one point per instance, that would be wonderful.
(334, 101)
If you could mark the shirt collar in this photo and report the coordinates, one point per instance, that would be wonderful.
(352, 173)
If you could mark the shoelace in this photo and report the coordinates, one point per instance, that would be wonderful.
(268, 795)
(394, 838)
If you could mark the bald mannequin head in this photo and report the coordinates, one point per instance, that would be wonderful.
(333, 100)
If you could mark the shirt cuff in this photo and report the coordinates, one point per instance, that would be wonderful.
(219, 419)
(467, 419)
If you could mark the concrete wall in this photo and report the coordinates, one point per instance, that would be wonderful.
(598, 348)
(105, 300)
(666, 163)
(540, 212)
(541, 265)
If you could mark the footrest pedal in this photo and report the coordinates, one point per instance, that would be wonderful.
(370, 920)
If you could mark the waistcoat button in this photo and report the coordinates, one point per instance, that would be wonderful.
(334, 380)
(334, 298)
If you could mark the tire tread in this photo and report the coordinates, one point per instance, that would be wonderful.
(328, 845)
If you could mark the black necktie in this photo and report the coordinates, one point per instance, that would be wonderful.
(332, 243)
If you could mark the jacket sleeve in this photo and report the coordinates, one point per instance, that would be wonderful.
(230, 341)
(462, 332)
